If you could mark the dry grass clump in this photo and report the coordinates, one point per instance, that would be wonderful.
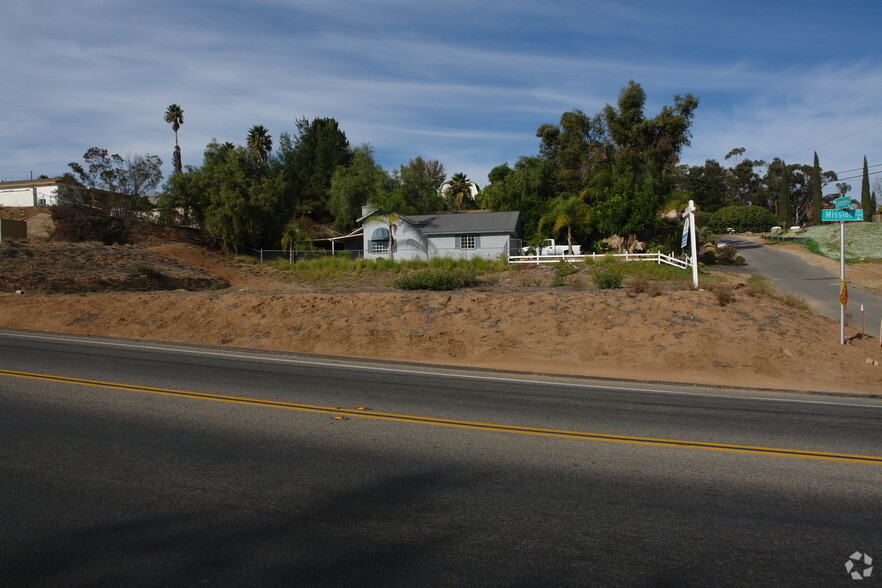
(643, 284)
(724, 294)
(759, 286)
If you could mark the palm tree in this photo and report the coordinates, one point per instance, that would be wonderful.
(567, 212)
(260, 143)
(174, 115)
(296, 235)
(458, 189)
(387, 206)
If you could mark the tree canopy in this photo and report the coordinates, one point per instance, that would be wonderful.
(309, 159)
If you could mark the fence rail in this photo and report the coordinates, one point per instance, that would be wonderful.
(295, 255)
(657, 257)
(786, 239)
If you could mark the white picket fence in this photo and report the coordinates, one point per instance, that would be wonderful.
(657, 257)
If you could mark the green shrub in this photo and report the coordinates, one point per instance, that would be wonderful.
(721, 256)
(742, 218)
(728, 256)
(563, 269)
(149, 272)
(437, 279)
(608, 279)
(813, 246)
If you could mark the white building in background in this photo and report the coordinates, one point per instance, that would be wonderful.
(42, 192)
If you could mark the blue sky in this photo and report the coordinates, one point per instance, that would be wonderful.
(466, 83)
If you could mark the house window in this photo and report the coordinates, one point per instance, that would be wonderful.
(380, 241)
(467, 242)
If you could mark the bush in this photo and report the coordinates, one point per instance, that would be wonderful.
(742, 218)
(721, 256)
(437, 279)
(608, 280)
(563, 269)
(75, 225)
(149, 272)
(728, 256)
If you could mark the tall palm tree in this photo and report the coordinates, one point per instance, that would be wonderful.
(174, 115)
(566, 213)
(458, 189)
(260, 143)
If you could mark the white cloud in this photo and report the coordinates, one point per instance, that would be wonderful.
(464, 83)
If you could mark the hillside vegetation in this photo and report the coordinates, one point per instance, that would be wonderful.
(862, 240)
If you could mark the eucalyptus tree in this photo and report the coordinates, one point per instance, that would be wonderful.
(174, 115)
(419, 184)
(784, 196)
(354, 185)
(233, 199)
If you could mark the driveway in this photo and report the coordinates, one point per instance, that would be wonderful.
(817, 285)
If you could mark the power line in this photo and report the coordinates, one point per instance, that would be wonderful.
(858, 169)
(860, 176)
(837, 139)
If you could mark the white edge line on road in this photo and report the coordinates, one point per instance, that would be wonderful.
(422, 372)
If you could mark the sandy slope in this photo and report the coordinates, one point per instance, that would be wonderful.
(678, 336)
(518, 324)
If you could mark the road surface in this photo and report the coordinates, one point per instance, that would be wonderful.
(816, 285)
(142, 464)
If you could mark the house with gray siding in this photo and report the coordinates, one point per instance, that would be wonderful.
(460, 235)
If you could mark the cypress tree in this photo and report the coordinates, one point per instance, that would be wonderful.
(866, 201)
(817, 198)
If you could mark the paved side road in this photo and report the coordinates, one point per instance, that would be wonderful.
(817, 285)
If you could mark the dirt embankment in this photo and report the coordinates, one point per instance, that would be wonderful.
(517, 322)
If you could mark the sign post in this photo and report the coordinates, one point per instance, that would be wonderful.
(842, 214)
(689, 214)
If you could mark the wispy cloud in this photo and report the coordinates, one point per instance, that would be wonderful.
(465, 83)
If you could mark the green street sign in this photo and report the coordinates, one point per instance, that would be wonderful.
(844, 202)
(828, 215)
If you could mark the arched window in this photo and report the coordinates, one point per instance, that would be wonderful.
(380, 240)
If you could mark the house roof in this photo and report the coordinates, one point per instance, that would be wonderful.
(469, 222)
(479, 221)
(355, 235)
(30, 183)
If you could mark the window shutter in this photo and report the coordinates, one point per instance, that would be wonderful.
(477, 241)
(458, 241)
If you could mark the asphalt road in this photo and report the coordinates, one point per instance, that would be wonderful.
(146, 465)
(817, 285)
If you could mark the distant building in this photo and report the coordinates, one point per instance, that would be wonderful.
(42, 192)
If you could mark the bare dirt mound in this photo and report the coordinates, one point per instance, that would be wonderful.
(683, 336)
(516, 321)
(38, 219)
(238, 275)
(91, 267)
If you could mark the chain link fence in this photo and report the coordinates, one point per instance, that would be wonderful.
(295, 255)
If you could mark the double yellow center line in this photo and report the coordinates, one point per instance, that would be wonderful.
(368, 414)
